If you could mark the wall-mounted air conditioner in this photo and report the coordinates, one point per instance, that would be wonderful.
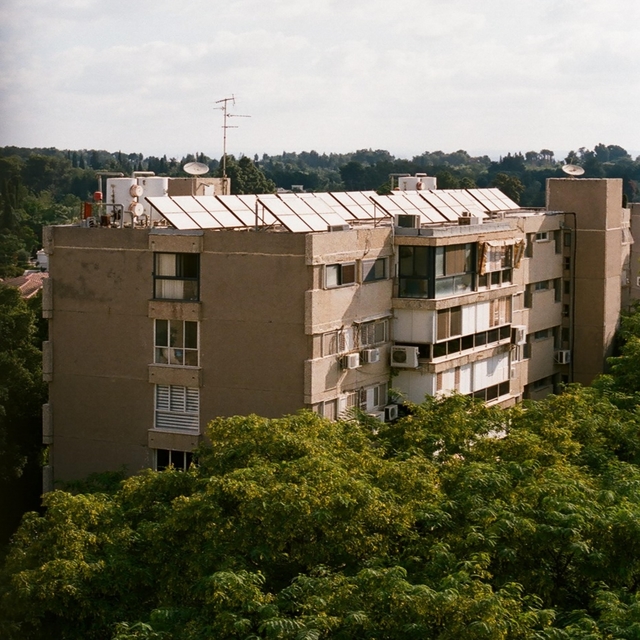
(390, 412)
(369, 356)
(407, 221)
(339, 227)
(518, 334)
(563, 356)
(378, 415)
(404, 356)
(350, 361)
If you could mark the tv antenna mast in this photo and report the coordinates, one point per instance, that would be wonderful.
(225, 112)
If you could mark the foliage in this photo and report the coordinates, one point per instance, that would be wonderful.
(246, 177)
(457, 521)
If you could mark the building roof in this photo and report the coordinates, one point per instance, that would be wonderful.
(308, 212)
(29, 283)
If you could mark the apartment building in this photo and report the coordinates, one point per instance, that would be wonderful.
(221, 305)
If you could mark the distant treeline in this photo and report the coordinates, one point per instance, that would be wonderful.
(46, 185)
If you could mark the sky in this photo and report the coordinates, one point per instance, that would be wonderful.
(490, 76)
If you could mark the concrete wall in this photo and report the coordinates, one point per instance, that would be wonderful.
(597, 204)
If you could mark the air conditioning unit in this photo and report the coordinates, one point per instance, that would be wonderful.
(408, 221)
(350, 361)
(339, 227)
(390, 412)
(378, 415)
(519, 334)
(369, 356)
(404, 356)
(563, 356)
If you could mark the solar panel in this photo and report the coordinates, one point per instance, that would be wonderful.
(170, 210)
(330, 211)
(284, 214)
(306, 213)
(504, 200)
(437, 203)
(263, 214)
(427, 210)
(197, 212)
(469, 203)
(354, 209)
(226, 219)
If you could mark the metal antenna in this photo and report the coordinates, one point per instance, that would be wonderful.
(225, 126)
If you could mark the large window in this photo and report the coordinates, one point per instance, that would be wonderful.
(436, 272)
(176, 276)
(176, 343)
(177, 407)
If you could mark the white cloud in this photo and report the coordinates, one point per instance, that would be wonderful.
(322, 74)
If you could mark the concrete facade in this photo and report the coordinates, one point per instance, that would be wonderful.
(155, 331)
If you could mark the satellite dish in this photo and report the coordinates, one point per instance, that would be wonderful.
(196, 168)
(573, 170)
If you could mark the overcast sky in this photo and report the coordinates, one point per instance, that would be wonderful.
(487, 76)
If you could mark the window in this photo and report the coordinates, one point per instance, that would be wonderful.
(566, 263)
(177, 408)
(176, 276)
(493, 392)
(543, 285)
(454, 270)
(372, 333)
(557, 238)
(567, 238)
(567, 287)
(449, 323)
(176, 343)
(373, 270)
(542, 236)
(500, 311)
(543, 334)
(179, 460)
(338, 275)
(435, 272)
(338, 341)
(327, 409)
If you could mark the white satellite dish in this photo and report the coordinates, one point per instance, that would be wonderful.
(196, 168)
(573, 170)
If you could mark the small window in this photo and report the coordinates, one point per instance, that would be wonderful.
(338, 341)
(566, 263)
(567, 287)
(176, 276)
(179, 460)
(542, 236)
(567, 238)
(543, 285)
(176, 343)
(372, 333)
(338, 275)
(373, 270)
(543, 334)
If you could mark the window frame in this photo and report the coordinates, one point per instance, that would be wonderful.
(177, 414)
(173, 351)
(340, 268)
(187, 459)
(372, 266)
(180, 267)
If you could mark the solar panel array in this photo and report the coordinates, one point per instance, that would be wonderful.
(307, 212)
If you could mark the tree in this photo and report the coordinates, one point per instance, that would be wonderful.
(510, 185)
(246, 177)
